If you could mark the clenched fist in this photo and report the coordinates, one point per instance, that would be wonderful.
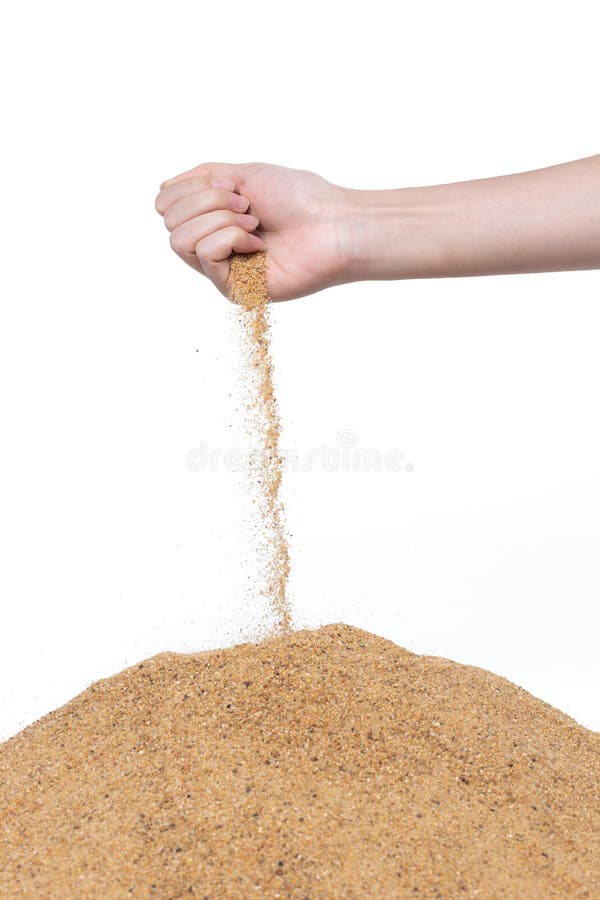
(296, 216)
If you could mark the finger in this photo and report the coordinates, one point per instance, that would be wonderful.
(201, 202)
(208, 170)
(185, 237)
(202, 171)
(213, 252)
(174, 192)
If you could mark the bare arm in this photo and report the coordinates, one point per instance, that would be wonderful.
(541, 221)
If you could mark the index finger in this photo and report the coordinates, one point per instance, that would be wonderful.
(208, 170)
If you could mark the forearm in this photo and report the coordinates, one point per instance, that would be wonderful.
(540, 221)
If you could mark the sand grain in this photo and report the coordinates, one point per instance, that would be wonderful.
(248, 288)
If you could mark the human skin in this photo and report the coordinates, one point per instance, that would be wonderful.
(318, 234)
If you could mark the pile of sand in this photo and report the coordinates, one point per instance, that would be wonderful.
(319, 764)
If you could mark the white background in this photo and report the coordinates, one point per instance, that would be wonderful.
(116, 359)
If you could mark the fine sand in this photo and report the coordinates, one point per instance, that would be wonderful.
(317, 764)
(248, 288)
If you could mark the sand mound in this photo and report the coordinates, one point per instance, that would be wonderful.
(320, 764)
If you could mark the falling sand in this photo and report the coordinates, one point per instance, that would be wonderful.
(317, 764)
(248, 288)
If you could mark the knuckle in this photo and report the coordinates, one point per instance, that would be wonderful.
(176, 241)
(229, 219)
(201, 251)
(219, 198)
(170, 219)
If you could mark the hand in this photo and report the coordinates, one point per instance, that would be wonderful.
(296, 216)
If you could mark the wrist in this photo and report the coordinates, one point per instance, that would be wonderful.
(393, 234)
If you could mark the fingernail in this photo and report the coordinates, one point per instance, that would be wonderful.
(240, 204)
(252, 221)
(223, 183)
